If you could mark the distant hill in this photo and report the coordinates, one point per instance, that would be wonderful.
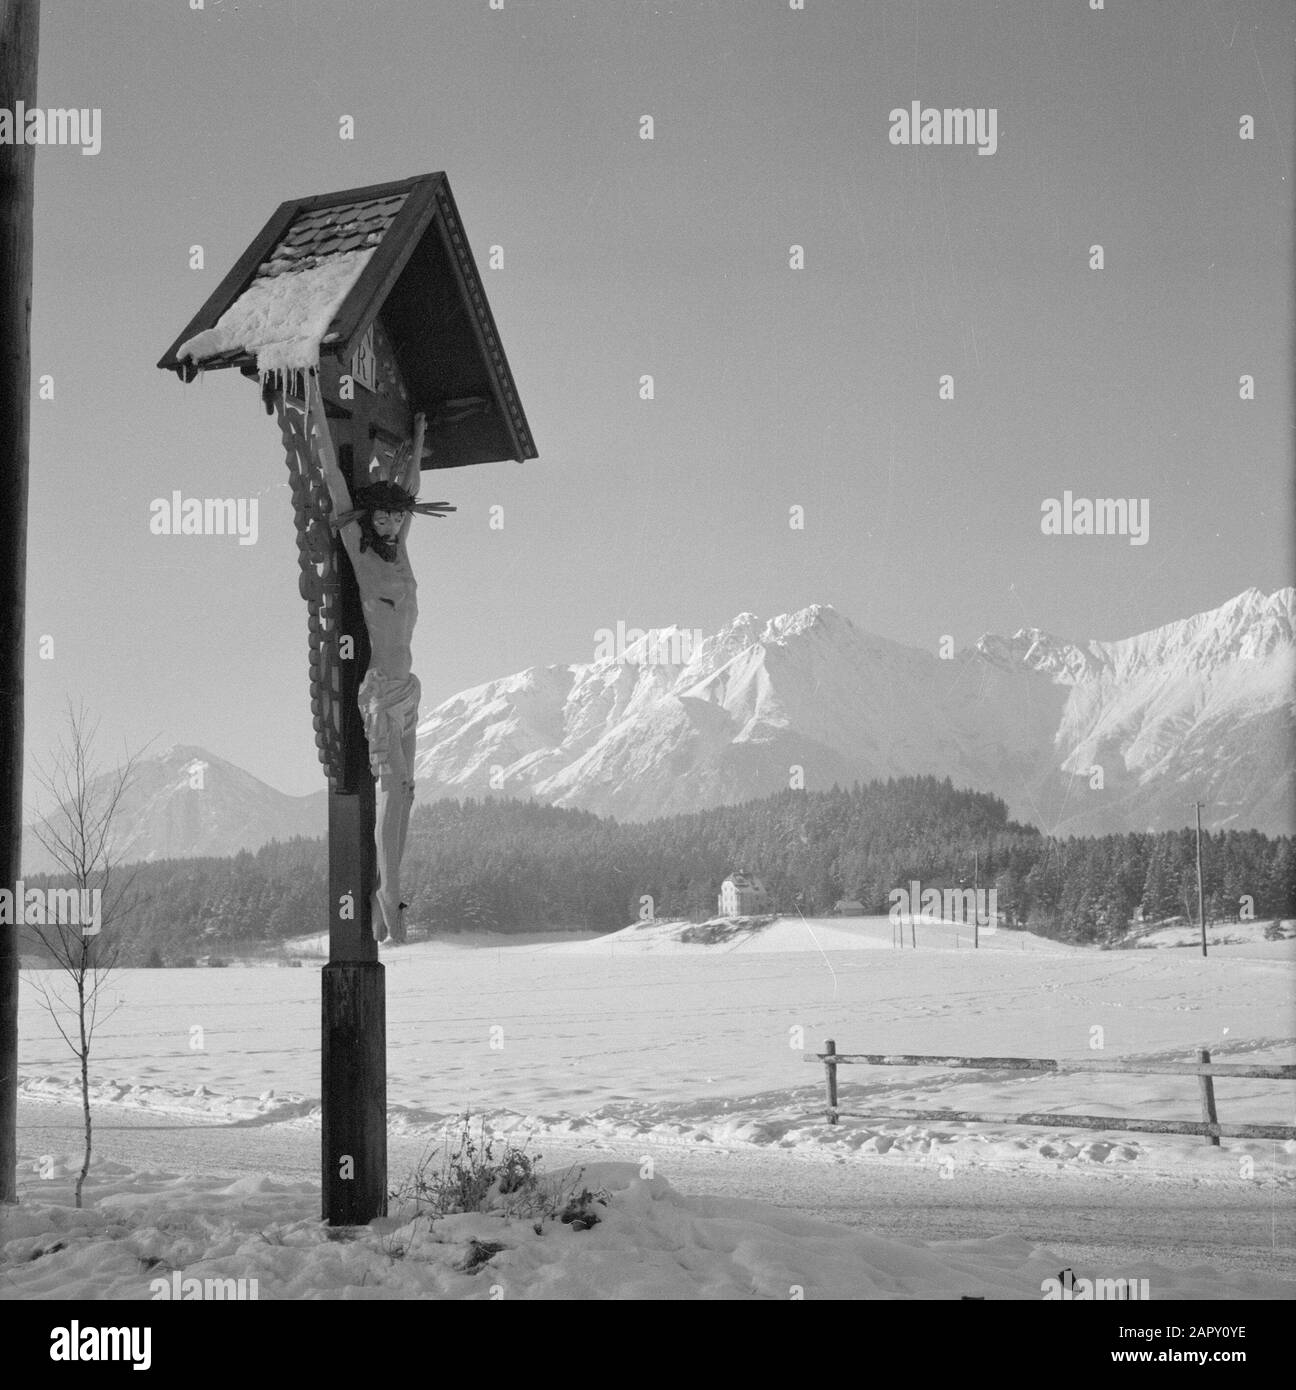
(187, 803)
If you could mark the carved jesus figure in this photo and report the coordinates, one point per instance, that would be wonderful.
(373, 526)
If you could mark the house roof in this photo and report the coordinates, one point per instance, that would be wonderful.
(397, 250)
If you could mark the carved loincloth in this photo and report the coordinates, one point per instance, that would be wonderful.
(389, 708)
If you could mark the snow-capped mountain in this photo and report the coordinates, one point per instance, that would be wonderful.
(188, 803)
(1202, 709)
(1080, 738)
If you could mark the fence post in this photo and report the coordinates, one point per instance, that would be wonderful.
(1207, 1084)
(830, 1066)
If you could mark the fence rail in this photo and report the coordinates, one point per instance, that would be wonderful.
(1204, 1069)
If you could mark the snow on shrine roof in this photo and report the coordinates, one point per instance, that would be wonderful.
(299, 286)
(282, 315)
(321, 271)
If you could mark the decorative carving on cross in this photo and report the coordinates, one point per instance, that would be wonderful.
(317, 583)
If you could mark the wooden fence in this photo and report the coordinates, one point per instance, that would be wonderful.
(1204, 1069)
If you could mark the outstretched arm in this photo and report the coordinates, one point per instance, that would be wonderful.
(408, 476)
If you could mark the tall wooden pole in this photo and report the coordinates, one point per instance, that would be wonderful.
(19, 33)
(976, 900)
(1201, 900)
(353, 1050)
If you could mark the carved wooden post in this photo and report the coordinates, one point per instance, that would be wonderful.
(353, 1046)
(353, 1063)
(353, 1034)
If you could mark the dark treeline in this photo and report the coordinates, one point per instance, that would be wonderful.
(508, 866)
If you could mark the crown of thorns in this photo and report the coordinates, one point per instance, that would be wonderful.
(384, 497)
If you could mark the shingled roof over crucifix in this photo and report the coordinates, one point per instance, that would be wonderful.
(323, 269)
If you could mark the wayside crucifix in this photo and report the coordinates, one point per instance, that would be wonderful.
(361, 315)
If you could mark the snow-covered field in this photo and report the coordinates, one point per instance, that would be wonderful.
(644, 1045)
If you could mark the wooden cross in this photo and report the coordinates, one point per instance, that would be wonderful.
(412, 335)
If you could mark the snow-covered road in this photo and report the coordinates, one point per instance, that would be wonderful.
(1108, 1218)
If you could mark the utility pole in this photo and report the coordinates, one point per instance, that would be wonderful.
(19, 33)
(976, 900)
(1201, 900)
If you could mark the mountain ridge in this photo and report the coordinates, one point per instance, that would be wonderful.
(1086, 737)
(761, 698)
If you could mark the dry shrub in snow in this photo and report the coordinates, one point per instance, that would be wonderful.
(465, 1175)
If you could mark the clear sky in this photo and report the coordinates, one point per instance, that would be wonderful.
(774, 387)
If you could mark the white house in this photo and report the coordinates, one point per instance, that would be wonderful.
(742, 894)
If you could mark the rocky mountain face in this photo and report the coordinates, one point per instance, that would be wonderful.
(1077, 737)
